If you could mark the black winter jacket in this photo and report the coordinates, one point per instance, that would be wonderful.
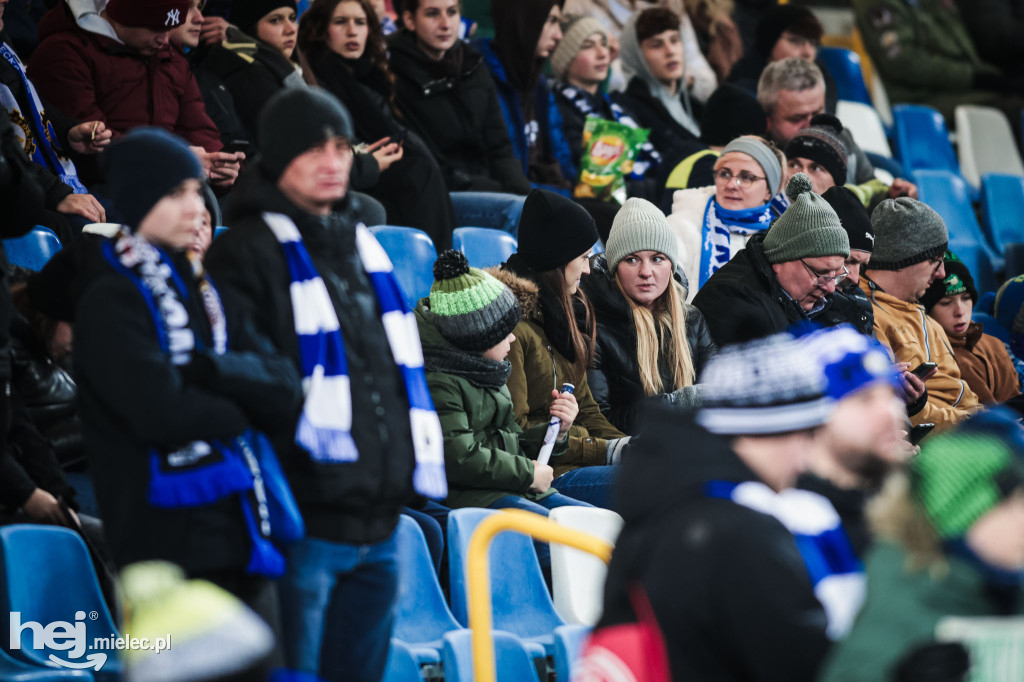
(744, 301)
(133, 399)
(352, 502)
(727, 584)
(453, 105)
(672, 140)
(615, 377)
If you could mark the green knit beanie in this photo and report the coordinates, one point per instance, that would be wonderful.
(472, 309)
(640, 226)
(809, 228)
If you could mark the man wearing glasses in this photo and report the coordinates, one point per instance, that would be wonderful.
(783, 276)
(910, 240)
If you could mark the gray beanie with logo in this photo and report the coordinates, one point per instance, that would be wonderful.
(907, 232)
(809, 228)
(640, 226)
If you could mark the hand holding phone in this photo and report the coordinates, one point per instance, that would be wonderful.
(922, 370)
(920, 431)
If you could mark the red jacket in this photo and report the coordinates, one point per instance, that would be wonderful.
(93, 77)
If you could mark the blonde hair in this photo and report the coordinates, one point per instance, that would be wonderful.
(894, 515)
(661, 329)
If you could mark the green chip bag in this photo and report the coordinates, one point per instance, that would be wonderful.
(609, 148)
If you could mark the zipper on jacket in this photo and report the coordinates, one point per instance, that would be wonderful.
(927, 343)
(554, 368)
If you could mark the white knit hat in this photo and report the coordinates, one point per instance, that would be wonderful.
(640, 226)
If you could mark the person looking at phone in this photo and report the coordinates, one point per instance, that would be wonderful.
(910, 240)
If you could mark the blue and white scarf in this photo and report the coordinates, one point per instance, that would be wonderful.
(646, 159)
(833, 567)
(718, 227)
(325, 425)
(35, 130)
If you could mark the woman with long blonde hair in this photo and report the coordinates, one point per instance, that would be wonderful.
(651, 345)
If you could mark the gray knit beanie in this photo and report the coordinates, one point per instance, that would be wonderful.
(907, 232)
(809, 228)
(574, 32)
(640, 226)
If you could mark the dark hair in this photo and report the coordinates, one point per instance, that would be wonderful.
(793, 18)
(316, 20)
(655, 20)
(411, 6)
(582, 326)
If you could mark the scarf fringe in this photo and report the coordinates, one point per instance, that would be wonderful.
(196, 487)
(325, 444)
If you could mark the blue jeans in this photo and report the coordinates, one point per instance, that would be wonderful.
(539, 507)
(589, 484)
(433, 521)
(488, 209)
(336, 607)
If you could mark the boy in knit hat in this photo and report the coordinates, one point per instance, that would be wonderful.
(818, 153)
(783, 276)
(910, 241)
(983, 359)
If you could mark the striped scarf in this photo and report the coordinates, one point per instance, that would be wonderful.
(325, 425)
(718, 227)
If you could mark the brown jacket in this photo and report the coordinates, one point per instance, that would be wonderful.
(914, 337)
(985, 365)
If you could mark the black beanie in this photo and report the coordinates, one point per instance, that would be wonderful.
(821, 143)
(296, 120)
(143, 167)
(553, 230)
(958, 280)
(245, 14)
(729, 113)
(854, 217)
(780, 19)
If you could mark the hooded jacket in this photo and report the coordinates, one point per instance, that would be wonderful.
(615, 377)
(914, 337)
(985, 365)
(727, 584)
(453, 105)
(537, 368)
(83, 69)
(743, 301)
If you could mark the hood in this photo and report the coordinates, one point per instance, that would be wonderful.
(517, 29)
(430, 335)
(526, 291)
(77, 14)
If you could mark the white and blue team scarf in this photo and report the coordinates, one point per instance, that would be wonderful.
(325, 425)
(718, 226)
(834, 569)
(35, 130)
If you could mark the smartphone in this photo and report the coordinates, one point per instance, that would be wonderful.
(919, 432)
(921, 370)
(237, 146)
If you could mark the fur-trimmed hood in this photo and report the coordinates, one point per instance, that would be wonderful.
(526, 291)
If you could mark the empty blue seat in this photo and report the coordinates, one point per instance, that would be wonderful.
(922, 139)
(16, 671)
(46, 576)
(844, 65)
(512, 663)
(569, 641)
(488, 209)
(1002, 208)
(402, 665)
(990, 326)
(34, 249)
(412, 254)
(484, 246)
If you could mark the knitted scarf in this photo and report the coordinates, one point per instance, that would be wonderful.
(35, 129)
(834, 569)
(325, 424)
(201, 472)
(647, 158)
(718, 227)
(479, 371)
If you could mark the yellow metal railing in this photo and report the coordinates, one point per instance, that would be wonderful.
(481, 620)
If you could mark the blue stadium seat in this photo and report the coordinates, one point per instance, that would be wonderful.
(46, 576)
(990, 326)
(1002, 208)
(484, 246)
(511, 661)
(844, 65)
(412, 254)
(402, 665)
(488, 209)
(33, 249)
(16, 671)
(569, 641)
(922, 139)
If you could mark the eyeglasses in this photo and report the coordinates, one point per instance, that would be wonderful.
(936, 262)
(823, 279)
(725, 176)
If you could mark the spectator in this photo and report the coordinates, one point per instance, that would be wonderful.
(1007, 312)
(722, 575)
(115, 66)
(345, 48)
(818, 153)
(983, 361)
(716, 33)
(712, 224)
(651, 345)
(151, 350)
(910, 240)
(785, 275)
(949, 544)
(552, 347)
(353, 464)
(446, 95)
(857, 223)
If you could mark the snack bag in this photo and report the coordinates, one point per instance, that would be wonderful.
(608, 152)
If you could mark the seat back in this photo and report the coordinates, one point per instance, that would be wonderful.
(1002, 208)
(519, 595)
(511, 661)
(34, 249)
(421, 612)
(484, 246)
(401, 665)
(990, 326)
(12, 670)
(412, 254)
(844, 66)
(865, 126)
(496, 210)
(922, 139)
(577, 578)
(46, 577)
(569, 640)
(985, 143)
(995, 645)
